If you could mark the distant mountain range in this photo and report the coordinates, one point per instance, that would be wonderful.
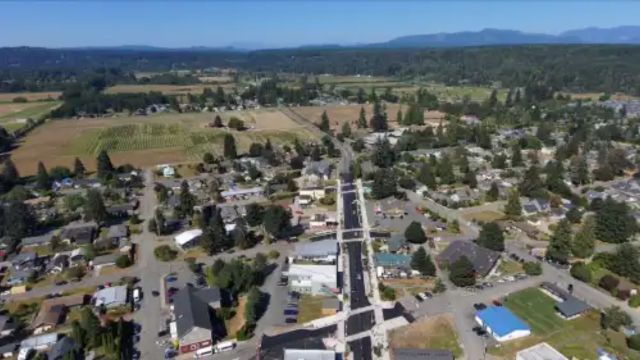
(485, 37)
(591, 35)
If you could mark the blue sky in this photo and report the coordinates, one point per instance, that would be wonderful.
(286, 23)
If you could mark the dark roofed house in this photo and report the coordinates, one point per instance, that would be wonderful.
(36, 240)
(80, 233)
(48, 318)
(25, 260)
(122, 210)
(9, 350)
(568, 306)
(58, 264)
(193, 321)
(7, 325)
(483, 260)
(63, 347)
(422, 354)
(118, 232)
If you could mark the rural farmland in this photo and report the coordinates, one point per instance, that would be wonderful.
(147, 141)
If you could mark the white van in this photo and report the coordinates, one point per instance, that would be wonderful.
(225, 346)
(204, 352)
(137, 295)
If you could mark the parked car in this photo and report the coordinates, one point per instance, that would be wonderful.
(418, 297)
(479, 306)
(428, 294)
(155, 293)
(497, 302)
(290, 320)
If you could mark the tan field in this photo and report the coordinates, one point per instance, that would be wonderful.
(31, 96)
(165, 89)
(436, 332)
(148, 141)
(339, 114)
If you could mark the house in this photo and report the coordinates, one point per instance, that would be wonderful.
(392, 265)
(24, 260)
(240, 194)
(502, 324)
(20, 276)
(111, 297)
(541, 351)
(567, 306)
(168, 171)
(323, 251)
(9, 350)
(320, 169)
(330, 306)
(104, 260)
(48, 318)
(77, 256)
(39, 240)
(125, 245)
(396, 243)
(422, 354)
(63, 347)
(305, 200)
(118, 232)
(7, 325)
(309, 354)
(483, 260)
(122, 210)
(188, 239)
(535, 206)
(79, 233)
(314, 192)
(39, 342)
(193, 327)
(58, 264)
(53, 311)
(323, 221)
(313, 279)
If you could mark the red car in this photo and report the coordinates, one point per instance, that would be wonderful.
(497, 303)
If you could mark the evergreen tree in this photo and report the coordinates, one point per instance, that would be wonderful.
(78, 168)
(383, 155)
(384, 184)
(19, 220)
(324, 122)
(493, 193)
(230, 147)
(10, 174)
(91, 326)
(104, 165)
(470, 178)
(531, 184)
(187, 201)
(516, 155)
(579, 170)
(425, 176)
(346, 130)
(362, 119)
(421, 261)
(513, 209)
(445, 170)
(491, 237)
(217, 122)
(276, 221)
(559, 248)
(43, 180)
(584, 241)
(378, 121)
(254, 214)
(461, 272)
(614, 222)
(94, 208)
(414, 233)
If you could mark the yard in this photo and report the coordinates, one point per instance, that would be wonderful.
(484, 216)
(577, 338)
(510, 267)
(14, 115)
(148, 141)
(436, 332)
(310, 308)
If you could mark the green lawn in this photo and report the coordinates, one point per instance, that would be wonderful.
(579, 338)
(510, 267)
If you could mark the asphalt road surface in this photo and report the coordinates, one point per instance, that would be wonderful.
(357, 295)
(360, 322)
(361, 349)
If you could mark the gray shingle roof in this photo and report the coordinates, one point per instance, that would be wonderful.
(422, 354)
(482, 259)
(190, 312)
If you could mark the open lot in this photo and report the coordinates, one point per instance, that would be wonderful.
(577, 338)
(437, 332)
(148, 141)
(310, 308)
(339, 114)
(31, 96)
(165, 89)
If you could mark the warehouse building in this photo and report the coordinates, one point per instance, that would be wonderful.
(502, 324)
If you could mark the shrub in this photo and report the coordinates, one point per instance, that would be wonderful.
(633, 342)
(165, 253)
(609, 282)
(623, 294)
(20, 99)
(274, 254)
(634, 301)
(581, 272)
(532, 268)
(236, 123)
(123, 261)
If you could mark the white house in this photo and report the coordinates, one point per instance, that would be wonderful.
(188, 238)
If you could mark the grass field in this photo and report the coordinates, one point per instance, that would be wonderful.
(436, 332)
(13, 115)
(577, 338)
(148, 141)
(310, 308)
(31, 96)
(165, 89)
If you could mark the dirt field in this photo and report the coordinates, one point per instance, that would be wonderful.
(237, 322)
(147, 141)
(165, 89)
(436, 332)
(31, 96)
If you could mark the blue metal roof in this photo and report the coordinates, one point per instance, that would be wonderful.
(501, 321)
(387, 259)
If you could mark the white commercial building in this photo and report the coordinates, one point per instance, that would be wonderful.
(188, 238)
(323, 251)
(313, 279)
(309, 354)
(542, 351)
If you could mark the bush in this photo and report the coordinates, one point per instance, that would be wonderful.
(165, 253)
(532, 268)
(274, 254)
(235, 123)
(226, 313)
(633, 342)
(20, 99)
(123, 261)
(386, 293)
(634, 301)
(581, 272)
(609, 282)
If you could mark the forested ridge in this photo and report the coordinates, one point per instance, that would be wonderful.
(579, 68)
